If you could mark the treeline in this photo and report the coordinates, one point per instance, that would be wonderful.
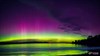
(90, 41)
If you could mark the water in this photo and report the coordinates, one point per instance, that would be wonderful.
(45, 49)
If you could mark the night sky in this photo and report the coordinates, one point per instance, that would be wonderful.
(57, 16)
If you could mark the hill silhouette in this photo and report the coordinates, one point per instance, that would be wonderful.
(25, 41)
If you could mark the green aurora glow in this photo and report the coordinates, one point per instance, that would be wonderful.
(43, 37)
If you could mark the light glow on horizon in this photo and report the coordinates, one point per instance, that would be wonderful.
(53, 37)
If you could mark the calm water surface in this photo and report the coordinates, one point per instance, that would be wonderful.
(44, 49)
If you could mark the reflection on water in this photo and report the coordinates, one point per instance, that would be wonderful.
(40, 45)
(42, 49)
(48, 53)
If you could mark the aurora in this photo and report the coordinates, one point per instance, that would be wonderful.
(50, 37)
(48, 27)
